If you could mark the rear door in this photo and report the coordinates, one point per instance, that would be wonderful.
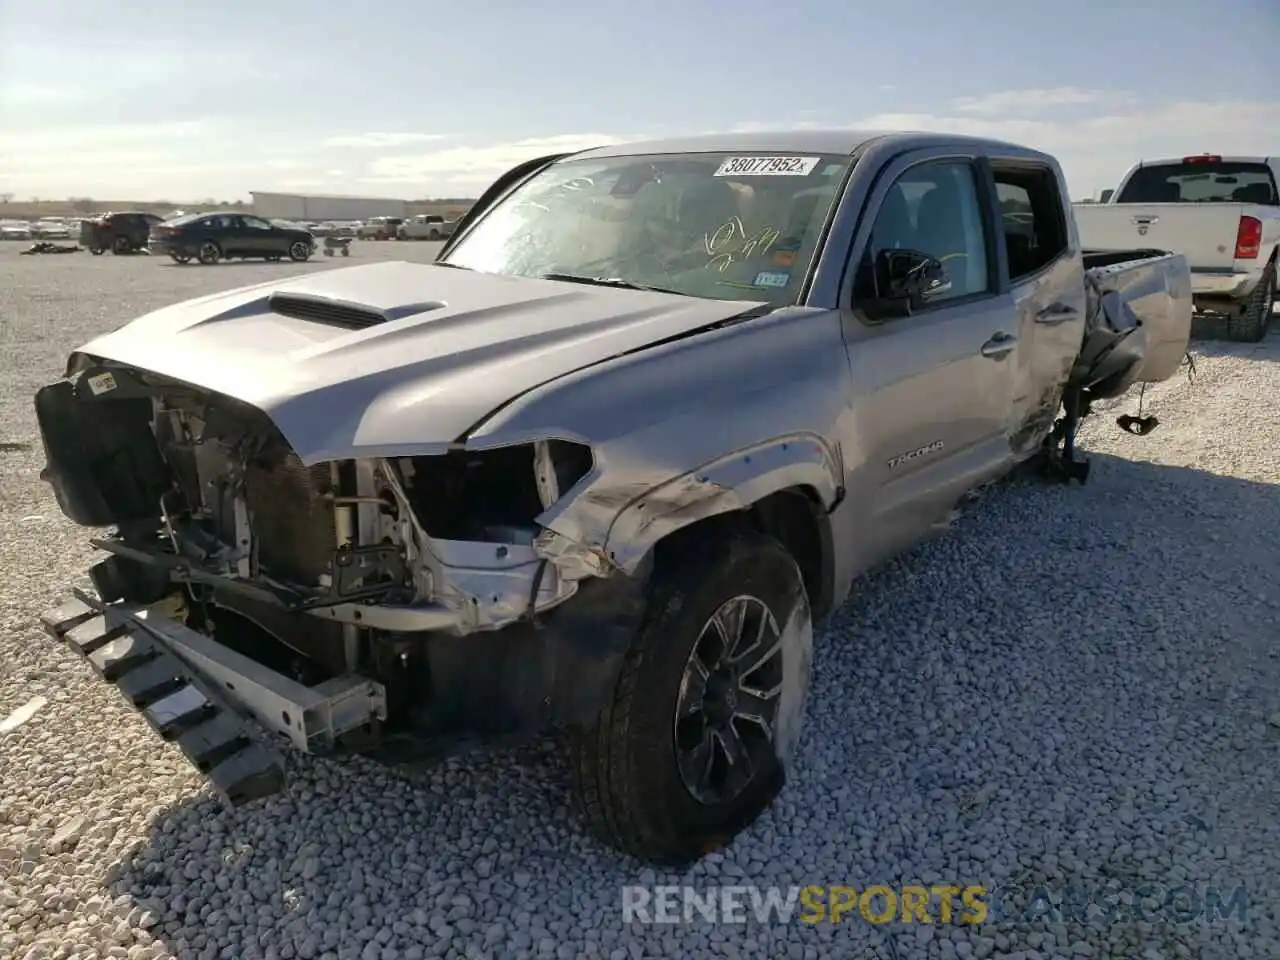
(933, 390)
(225, 230)
(1040, 263)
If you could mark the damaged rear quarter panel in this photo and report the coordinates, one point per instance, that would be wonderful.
(691, 428)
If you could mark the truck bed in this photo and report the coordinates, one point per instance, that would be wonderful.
(1139, 319)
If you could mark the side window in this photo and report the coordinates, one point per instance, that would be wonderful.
(934, 209)
(253, 223)
(1033, 221)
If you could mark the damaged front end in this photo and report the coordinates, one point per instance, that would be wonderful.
(383, 606)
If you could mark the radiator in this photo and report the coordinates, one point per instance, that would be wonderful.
(294, 527)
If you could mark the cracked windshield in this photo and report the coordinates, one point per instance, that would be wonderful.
(706, 225)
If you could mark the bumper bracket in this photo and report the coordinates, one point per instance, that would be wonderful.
(203, 696)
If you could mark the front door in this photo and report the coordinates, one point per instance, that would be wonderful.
(933, 390)
(260, 238)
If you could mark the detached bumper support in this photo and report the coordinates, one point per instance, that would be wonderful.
(192, 691)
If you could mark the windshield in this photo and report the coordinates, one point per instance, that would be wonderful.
(722, 226)
(1200, 181)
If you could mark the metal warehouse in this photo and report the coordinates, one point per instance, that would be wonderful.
(313, 207)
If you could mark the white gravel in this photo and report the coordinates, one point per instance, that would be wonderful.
(1073, 687)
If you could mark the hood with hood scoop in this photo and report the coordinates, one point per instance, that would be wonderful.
(390, 359)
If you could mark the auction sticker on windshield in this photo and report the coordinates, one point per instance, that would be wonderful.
(767, 166)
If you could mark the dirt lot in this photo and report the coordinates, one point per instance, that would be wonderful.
(1075, 690)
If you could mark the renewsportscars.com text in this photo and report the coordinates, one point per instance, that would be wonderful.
(810, 904)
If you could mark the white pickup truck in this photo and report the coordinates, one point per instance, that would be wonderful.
(427, 226)
(1222, 213)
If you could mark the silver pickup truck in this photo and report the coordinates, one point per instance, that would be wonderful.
(600, 469)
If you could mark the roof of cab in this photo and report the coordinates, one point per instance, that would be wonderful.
(809, 140)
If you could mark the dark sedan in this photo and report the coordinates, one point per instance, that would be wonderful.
(210, 237)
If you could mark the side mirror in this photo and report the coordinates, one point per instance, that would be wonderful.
(1106, 196)
(906, 280)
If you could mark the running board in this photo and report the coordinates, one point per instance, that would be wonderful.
(193, 691)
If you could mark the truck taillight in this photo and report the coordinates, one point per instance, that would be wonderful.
(1248, 238)
(1203, 158)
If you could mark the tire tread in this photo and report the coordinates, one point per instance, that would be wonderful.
(601, 764)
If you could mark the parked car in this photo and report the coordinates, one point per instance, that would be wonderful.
(345, 228)
(1222, 212)
(120, 232)
(427, 226)
(379, 228)
(602, 467)
(50, 228)
(321, 229)
(15, 230)
(210, 237)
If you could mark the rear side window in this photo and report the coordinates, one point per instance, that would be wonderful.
(1032, 218)
(1201, 181)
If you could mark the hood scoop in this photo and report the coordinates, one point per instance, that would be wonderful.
(341, 313)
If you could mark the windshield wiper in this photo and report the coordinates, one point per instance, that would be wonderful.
(608, 282)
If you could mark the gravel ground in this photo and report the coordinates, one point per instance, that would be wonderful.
(1074, 688)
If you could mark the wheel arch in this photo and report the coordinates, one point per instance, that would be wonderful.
(794, 516)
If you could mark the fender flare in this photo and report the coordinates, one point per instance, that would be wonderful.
(732, 482)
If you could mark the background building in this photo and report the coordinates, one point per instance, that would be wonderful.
(318, 207)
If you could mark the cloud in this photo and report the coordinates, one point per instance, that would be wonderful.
(28, 144)
(1096, 134)
(1095, 151)
(479, 166)
(380, 140)
(39, 94)
(1039, 100)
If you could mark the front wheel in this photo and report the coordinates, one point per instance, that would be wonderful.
(299, 252)
(708, 705)
(121, 246)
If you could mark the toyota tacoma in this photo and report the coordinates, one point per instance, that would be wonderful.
(599, 469)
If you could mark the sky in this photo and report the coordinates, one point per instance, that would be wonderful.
(416, 98)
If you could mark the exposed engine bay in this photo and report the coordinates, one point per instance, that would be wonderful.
(205, 492)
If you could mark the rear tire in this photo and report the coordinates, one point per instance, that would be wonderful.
(181, 258)
(434, 235)
(209, 253)
(651, 775)
(121, 246)
(1254, 319)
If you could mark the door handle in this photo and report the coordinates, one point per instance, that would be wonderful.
(1055, 314)
(999, 346)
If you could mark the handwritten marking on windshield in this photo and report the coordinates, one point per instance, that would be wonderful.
(722, 245)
